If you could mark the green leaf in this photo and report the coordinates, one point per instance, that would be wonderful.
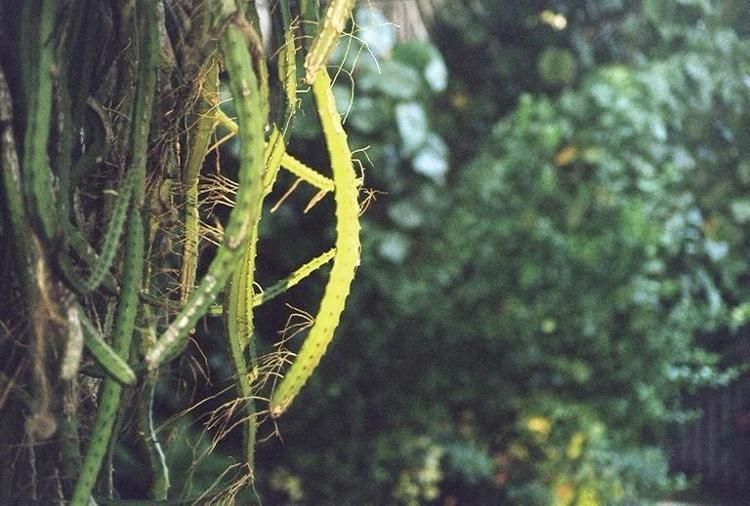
(405, 214)
(374, 30)
(395, 80)
(394, 247)
(557, 66)
(740, 210)
(427, 60)
(413, 126)
(368, 115)
(432, 159)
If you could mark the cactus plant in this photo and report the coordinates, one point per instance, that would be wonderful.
(110, 207)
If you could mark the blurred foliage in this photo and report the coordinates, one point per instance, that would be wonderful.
(523, 323)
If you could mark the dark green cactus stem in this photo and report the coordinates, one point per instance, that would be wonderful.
(73, 238)
(241, 345)
(115, 228)
(109, 398)
(310, 13)
(240, 304)
(80, 246)
(109, 359)
(13, 194)
(134, 251)
(70, 445)
(245, 91)
(37, 178)
(148, 439)
(99, 136)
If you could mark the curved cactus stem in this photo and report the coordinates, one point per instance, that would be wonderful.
(244, 87)
(347, 251)
(200, 137)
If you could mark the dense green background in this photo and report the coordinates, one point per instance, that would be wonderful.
(558, 249)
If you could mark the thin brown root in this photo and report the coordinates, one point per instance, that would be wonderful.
(286, 195)
(370, 197)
